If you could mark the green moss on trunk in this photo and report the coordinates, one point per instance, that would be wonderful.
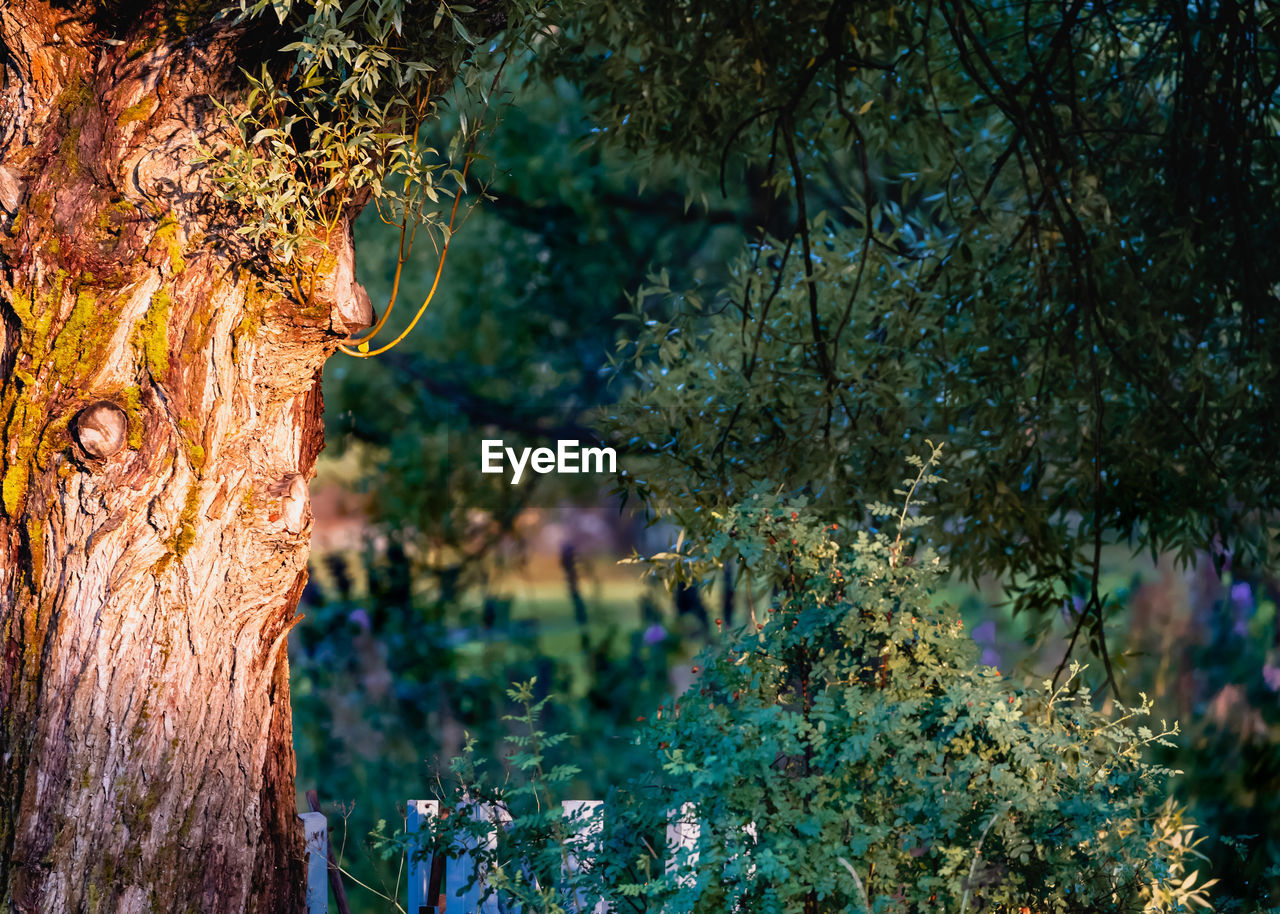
(81, 331)
(167, 235)
(151, 339)
(138, 112)
(184, 536)
(132, 397)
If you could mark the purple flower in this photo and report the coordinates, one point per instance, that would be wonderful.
(990, 658)
(1271, 676)
(1242, 603)
(654, 634)
(360, 618)
(985, 633)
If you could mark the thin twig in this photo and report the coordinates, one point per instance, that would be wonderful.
(977, 855)
(866, 903)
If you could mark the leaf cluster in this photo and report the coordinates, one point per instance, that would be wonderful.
(844, 751)
(1037, 232)
(339, 123)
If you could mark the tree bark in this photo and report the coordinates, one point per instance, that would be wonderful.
(146, 759)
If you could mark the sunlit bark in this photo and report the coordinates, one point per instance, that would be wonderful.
(146, 592)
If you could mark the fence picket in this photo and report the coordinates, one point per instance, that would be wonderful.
(682, 835)
(315, 829)
(420, 813)
(683, 831)
(584, 843)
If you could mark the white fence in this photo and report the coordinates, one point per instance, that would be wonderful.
(437, 884)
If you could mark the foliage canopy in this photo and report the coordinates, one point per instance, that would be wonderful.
(1038, 232)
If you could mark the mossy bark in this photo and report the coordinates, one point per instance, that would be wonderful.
(146, 761)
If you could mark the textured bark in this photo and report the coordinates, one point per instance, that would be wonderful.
(146, 759)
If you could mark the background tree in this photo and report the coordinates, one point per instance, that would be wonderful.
(415, 636)
(177, 268)
(1037, 232)
(516, 343)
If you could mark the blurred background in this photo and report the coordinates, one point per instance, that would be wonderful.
(434, 587)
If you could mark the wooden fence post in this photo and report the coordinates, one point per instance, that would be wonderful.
(418, 814)
(316, 831)
(682, 835)
(462, 864)
(584, 844)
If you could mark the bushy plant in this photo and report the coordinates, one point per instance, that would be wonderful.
(844, 751)
(383, 693)
(332, 120)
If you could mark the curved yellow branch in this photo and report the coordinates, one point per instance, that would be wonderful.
(362, 350)
(435, 283)
(395, 289)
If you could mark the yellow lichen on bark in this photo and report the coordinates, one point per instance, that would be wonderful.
(134, 113)
(167, 235)
(132, 397)
(151, 339)
(14, 488)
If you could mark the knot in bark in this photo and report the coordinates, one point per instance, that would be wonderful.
(292, 492)
(12, 190)
(102, 428)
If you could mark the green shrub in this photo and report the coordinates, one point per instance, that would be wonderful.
(843, 751)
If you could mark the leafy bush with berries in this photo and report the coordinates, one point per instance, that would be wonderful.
(844, 751)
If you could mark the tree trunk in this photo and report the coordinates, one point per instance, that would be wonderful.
(146, 759)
